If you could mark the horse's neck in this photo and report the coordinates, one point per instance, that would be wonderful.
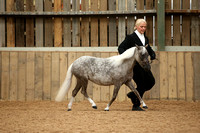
(128, 57)
(130, 62)
(129, 54)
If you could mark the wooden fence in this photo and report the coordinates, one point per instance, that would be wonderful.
(94, 23)
(37, 75)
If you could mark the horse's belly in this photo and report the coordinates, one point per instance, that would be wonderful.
(101, 81)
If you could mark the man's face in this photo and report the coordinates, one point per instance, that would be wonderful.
(142, 27)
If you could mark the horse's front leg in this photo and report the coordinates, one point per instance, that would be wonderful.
(115, 92)
(131, 86)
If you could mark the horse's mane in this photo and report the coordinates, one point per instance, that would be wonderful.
(128, 53)
(119, 59)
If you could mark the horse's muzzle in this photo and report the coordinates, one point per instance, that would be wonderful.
(146, 66)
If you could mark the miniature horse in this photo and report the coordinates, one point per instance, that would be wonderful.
(115, 70)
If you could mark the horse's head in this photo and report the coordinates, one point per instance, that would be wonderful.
(142, 57)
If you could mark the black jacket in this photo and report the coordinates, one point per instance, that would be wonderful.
(133, 40)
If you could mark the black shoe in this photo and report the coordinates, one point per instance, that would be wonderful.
(137, 108)
(130, 94)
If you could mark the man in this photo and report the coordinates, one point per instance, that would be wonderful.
(143, 79)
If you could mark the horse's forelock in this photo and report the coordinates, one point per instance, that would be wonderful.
(142, 50)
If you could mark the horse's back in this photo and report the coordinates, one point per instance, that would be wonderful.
(95, 69)
(85, 63)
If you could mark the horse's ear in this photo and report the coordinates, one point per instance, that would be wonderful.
(146, 45)
(137, 46)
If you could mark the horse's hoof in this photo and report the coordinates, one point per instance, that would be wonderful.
(94, 107)
(106, 109)
(69, 110)
(145, 107)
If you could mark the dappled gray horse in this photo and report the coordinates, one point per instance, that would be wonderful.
(115, 70)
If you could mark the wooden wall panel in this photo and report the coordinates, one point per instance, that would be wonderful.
(140, 6)
(76, 24)
(39, 38)
(149, 19)
(195, 25)
(37, 75)
(94, 24)
(57, 25)
(10, 6)
(67, 25)
(180, 76)
(121, 23)
(156, 26)
(164, 92)
(55, 83)
(186, 24)
(176, 24)
(172, 76)
(13, 75)
(168, 39)
(30, 76)
(5, 76)
(103, 25)
(85, 24)
(189, 77)
(112, 24)
(2, 25)
(20, 25)
(22, 76)
(29, 25)
(0, 73)
(48, 30)
(130, 19)
(196, 62)
(47, 78)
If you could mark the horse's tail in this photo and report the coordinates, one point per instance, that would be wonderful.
(65, 86)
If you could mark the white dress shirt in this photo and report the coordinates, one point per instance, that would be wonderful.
(141, 36)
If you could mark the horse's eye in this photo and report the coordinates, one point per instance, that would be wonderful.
(143, 56)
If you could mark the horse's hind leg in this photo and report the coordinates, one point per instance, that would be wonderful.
(74, 93)
(84, 92)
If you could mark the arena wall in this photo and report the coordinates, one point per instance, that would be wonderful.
(37, 75)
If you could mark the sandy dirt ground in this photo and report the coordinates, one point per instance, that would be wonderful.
(46, 116)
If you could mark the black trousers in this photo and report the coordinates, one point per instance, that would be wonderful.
(144, 81)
